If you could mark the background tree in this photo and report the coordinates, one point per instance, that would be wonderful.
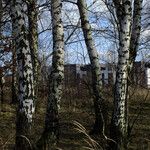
(2, 81)
(135, 32)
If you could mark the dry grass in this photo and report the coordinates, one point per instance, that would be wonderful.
(74, 135)
(92, 144)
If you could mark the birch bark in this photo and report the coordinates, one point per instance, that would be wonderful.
(135, 32)
(120, 118)
(14, 72)
(14, 65)
(51, 130)
(33, 37)
(95, 66)
(26, 106)
(1, 70)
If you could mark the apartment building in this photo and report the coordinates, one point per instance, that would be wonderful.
(140, 75)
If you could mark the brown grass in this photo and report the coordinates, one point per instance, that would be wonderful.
(77, 118)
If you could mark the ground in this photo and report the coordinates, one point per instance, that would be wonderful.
(76, 120)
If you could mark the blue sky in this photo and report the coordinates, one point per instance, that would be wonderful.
(99, 18)
(76, 51)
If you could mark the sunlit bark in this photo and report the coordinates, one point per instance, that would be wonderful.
(51, 130)
(96, 71)
(120, 118)
(25, 76)
(33, 37)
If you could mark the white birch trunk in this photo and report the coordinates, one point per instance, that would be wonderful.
(120, 117)
(33, 37)
(135, 32)
(25, 76)
(96, 70)
(51, 130)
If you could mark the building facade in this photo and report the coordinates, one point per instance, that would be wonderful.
(75, 73)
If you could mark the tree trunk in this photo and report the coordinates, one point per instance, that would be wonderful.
(1, 15)
(120, 117)
(26, 107)
(51, 130)
(33, 40)
(1, 71)
(14, 69)
(95, 66)
(2, 81)
(135, 34)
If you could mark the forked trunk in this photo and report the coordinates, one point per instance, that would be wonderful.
(119, 122)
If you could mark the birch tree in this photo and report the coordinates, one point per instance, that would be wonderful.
(1, 15)
(129, 42)
(51, 130)
(14, 66)
(120, 119)
(26, 107)
(95, 66)
(135, 32)
(33, 36)
(1, 70)
(14, 73)
(2, 81)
